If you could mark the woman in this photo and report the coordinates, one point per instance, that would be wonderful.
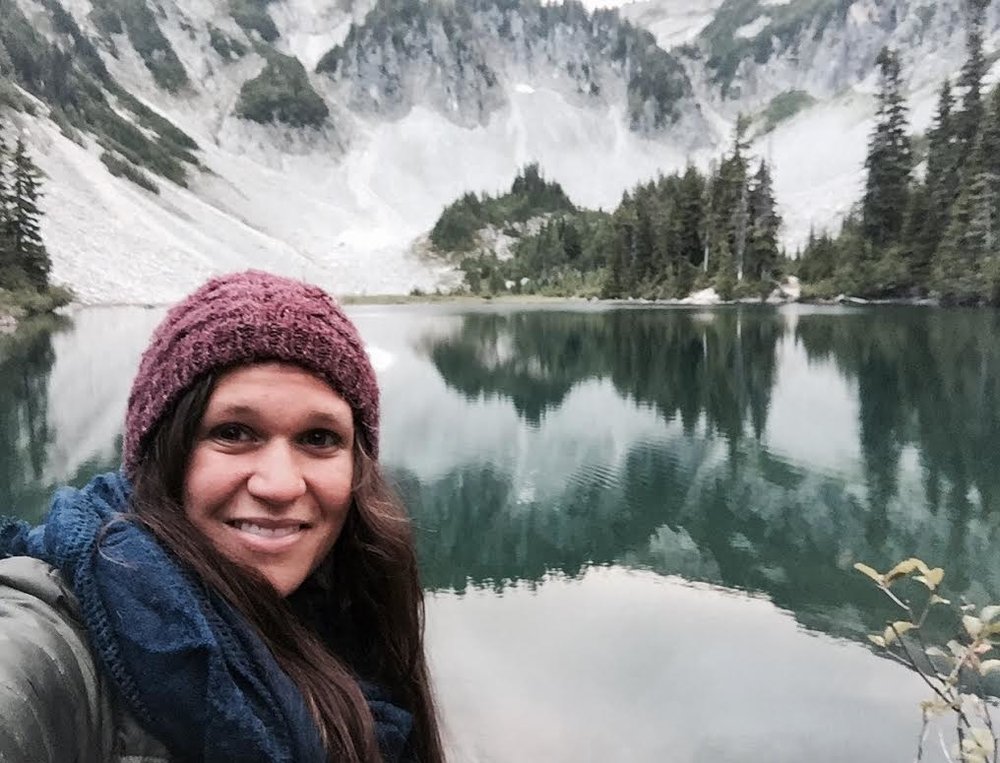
(245, 589)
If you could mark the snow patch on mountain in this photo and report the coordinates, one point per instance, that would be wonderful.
(755, 27)
(309, 28)
(672, 22)
(346, 222)
(343, 205)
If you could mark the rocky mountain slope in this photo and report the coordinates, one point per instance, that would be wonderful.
(322, 137)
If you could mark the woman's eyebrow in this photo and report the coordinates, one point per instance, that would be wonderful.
(231, 409)
(316, 417)
(326, 418)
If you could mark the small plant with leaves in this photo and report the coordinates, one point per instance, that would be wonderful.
(954, 672)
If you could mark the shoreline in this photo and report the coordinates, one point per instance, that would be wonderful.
(10, 321)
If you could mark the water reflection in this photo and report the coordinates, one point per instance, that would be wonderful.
(682, 442)
(625, 666)
(932, 385)
(719, 365)
(597, 467)
(717, 498)
(26, 360)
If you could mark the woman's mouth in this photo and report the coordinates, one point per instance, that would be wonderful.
(267, 538)
(267, 532)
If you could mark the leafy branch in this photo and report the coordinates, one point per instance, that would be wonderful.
(946, 671)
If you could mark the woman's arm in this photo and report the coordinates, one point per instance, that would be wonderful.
(52, 704)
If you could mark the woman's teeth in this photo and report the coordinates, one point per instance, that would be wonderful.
(267, 532)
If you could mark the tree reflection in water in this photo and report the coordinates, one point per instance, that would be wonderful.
(710, 501)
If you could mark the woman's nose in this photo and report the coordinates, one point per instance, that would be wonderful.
(277, 477)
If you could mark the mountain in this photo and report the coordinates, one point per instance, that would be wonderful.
(321, 138)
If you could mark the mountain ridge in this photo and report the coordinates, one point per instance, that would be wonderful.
(341, 201)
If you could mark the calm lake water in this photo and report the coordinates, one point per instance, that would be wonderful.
(637, 526)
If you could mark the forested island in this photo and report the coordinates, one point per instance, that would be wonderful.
(926, 227)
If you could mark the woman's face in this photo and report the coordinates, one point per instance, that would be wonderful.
(269, 479)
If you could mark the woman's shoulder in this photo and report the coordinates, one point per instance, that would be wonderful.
(25, 577)
(50, 685)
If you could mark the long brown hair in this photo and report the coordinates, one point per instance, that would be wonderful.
(370, 578)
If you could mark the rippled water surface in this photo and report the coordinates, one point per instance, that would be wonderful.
(636, 525)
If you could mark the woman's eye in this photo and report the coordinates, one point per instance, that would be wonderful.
(321, 438)
(231, 433)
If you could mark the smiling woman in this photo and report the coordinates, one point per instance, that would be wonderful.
(245, 589)
(269, 481)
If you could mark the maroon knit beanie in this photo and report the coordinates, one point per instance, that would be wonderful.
(247, 318)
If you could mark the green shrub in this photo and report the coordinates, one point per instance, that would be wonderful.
(787, 24)
(130, 142)
(22, 302)
(121, 168)
(456, 228)
(224, 45)
(784, 106)
(11, 97)
(106, 20)
(252, 16)
(530, 196)
(282, 93)
(146, 37)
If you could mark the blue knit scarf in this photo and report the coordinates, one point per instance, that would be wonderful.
(187, 665)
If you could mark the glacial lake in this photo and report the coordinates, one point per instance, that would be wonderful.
(636, 525)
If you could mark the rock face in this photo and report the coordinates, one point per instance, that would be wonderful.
(751, 52)
(321, 137)
(460, 60)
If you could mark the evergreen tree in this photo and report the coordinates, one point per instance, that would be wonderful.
(971, 80)
(736, 180)
(6, 255)
(727, 213)
(644, 236)
(690, 216)
(710, 220)
(889, 160)
(762, 254)
(741, 229)
(818, 261)
(970, 261)
(929, 220)
(621, 280)
(942, 149)
(921, 230)
(24, 228)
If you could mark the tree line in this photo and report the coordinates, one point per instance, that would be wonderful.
(24, 261)
(929, 233)
(684, 232)
(666, 237)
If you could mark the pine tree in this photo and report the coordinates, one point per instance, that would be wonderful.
(889, 160)
(942, 149)
(736, 181)
(644, 238)
(690, 216)
(621, 279)
(726, 209)
(971, 80)
(762, 254)
(741, 229)
(6, 255)
(968, 262)
(929, 224)
(24, 228)
(920, 235)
